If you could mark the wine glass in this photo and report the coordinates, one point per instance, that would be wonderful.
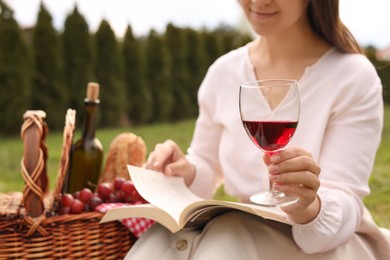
(269, 111)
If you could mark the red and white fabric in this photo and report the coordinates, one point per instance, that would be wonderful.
(137, 226)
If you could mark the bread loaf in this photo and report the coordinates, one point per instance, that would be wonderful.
(126, 148)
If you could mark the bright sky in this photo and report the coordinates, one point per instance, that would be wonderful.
(369, 20)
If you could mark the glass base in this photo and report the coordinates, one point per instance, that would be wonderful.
(273, 198)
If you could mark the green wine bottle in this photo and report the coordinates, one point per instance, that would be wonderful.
(86, 155)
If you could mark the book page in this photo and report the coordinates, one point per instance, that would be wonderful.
(201, 216)
(273, 213)
(142, 211)
(172, 195)
(173, 205)
(166, 192)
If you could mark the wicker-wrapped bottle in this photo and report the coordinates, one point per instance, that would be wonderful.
(87, 153)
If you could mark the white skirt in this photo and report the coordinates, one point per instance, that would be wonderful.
(237, 235)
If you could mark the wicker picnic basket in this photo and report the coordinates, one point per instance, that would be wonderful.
(30, 228)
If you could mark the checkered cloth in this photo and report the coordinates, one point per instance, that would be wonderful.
(137, 226)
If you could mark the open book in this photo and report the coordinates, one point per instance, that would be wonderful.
(173, 205)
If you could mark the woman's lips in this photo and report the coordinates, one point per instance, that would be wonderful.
(262, 15)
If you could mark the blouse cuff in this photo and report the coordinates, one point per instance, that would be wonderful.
(317, 235)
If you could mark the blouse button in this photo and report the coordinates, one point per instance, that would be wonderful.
(181, 244)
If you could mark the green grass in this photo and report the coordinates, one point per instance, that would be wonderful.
(11, 152)
(379, 200)
(11, 149)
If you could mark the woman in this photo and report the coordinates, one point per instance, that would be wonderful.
(330, 156)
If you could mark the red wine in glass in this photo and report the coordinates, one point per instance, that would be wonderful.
(270, 135)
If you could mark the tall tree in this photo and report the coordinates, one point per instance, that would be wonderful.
(48, 92)
(384, 74)
(158, 76)
(213, 46)
(139, 98)
(196, 63)
(108, 74)
(227, 37)
(231, 38)
(14, 73)
(383, 69)
(77, 57)
(180, 75)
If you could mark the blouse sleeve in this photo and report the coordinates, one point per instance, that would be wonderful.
(347, 156)
(203, 152)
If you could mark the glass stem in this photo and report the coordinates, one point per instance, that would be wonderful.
(271, 188)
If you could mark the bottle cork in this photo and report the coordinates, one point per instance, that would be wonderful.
(92, 91)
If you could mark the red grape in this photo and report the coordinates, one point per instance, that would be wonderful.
(128, 199)
(64, 210)
(86, 208)
(104, 190)
(128, 187)
(76, 207)
(95, 201)
(76, 194)
(120, 195)
(66, 200)
(113, 198)
(118, 182)
(137, 197)
(85, 195)
(120, 190)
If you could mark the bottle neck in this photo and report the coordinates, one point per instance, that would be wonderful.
(91, 112)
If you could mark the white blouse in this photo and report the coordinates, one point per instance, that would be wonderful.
(340, 125)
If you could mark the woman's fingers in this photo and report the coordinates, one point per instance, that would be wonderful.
(168, 158)
(293, 171)
(293, 160)
(296, 183)
(181, 168)
(163, 154)
(154, 162)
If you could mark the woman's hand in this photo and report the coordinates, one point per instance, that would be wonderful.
(170, 160)
(293, 171)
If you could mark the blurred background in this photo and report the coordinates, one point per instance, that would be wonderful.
(368, 21)
(148, 56)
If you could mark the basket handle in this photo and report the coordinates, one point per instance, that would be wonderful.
(33, 164)
(70, 122)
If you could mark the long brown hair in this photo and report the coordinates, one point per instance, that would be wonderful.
(325, 20)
